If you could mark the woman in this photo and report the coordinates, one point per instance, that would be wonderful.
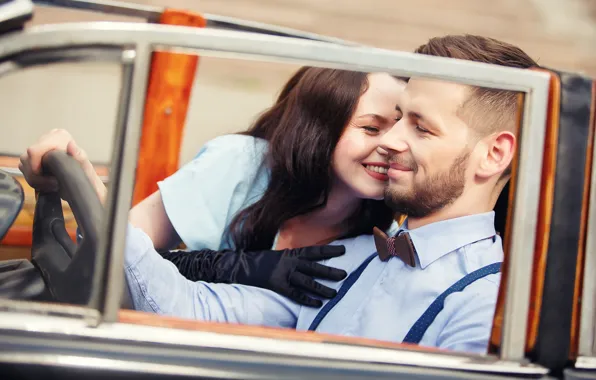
(305, 174)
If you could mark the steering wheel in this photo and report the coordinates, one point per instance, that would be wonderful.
(66, 267)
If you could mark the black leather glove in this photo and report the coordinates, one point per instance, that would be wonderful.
(289, 272)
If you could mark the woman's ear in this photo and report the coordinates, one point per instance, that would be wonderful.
(498, 155)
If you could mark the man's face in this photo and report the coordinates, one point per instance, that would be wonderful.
(427, 148)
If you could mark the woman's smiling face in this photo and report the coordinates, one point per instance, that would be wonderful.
(356, 162)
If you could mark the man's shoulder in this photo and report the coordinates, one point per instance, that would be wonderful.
(478, 296)
(474, 271)
(483, 255)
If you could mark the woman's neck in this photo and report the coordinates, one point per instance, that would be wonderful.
(323, 225)
(340, 206)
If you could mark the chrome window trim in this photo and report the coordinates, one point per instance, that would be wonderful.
(121, 185)
(586, 362)
(150, 13)
(168, 337)
(153, 13)
(96, 364)
(64, 55)
(8, 307)
(16, 9)
(144, 38)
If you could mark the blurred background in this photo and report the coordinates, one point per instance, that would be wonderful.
(228, 94)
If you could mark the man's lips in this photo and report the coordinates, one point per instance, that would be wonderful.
(397, 166)
(397, 170)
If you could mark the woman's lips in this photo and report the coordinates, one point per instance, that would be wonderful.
(377, 170)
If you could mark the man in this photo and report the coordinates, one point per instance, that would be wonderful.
(449, 153)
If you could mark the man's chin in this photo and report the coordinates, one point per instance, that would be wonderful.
(397, 191)
(396, 199)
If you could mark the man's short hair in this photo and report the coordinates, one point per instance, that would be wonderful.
(485, 110)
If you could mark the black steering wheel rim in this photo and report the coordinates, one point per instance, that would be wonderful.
(66, 267)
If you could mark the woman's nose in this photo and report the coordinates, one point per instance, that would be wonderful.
(382, 151)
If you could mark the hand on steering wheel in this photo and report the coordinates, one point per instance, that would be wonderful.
(60, 140)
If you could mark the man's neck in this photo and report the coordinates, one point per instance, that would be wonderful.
(460, 207)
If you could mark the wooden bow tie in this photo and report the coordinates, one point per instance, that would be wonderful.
(400, 246)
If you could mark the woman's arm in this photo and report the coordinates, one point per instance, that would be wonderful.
(150, 216)
(203, 196)
(290, 272)
(156, 286)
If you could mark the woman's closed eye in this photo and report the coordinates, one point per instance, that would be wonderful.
(370, 129)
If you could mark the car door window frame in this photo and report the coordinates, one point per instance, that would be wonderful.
(135, 43)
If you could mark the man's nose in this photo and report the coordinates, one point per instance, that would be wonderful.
(393, 140)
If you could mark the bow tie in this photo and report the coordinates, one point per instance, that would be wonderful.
(400, 246)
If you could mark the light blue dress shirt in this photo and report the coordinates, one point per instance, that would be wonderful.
(383, 304)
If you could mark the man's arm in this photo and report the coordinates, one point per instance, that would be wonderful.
(157, 286)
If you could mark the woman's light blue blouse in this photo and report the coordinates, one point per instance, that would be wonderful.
(202, 197)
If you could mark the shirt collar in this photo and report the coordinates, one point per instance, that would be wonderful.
(435, 240)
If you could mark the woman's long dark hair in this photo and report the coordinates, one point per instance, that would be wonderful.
(303, 128)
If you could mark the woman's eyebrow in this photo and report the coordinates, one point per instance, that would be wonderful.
(378, 117)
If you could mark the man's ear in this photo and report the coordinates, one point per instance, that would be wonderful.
(500, 150)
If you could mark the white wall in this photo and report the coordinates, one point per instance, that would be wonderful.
(82, 98)
(227, 94)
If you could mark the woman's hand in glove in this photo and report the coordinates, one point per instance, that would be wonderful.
(289, 272)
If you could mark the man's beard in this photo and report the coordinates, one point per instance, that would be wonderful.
(433, 193)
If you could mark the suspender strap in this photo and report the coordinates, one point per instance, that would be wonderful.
(419, 328)
(351, 280)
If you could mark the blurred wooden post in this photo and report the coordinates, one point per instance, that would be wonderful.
(170, 84)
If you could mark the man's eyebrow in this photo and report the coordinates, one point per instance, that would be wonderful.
(417, 115)
(428, 119)
(432, 123)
